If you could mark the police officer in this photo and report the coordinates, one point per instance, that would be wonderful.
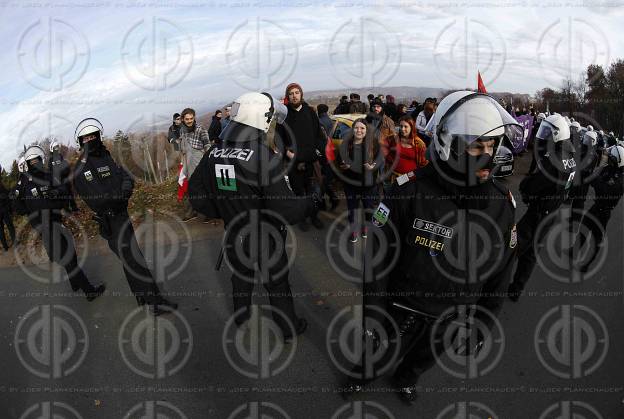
(106, 188)
(241, 180)
(432, 221)
(538, 146)
(586, 159)
(609, 187)
(544, 190)
(42, 202)
(60, 170)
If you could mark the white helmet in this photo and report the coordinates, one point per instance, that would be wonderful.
(590, 138)
(617, 153)
(469, 116)
(555, 127)
(54, 145)
(257, 110)
(21, 165)
(541, 116)
(590, 128)
(33, 152)
(88, 126)
(576, 125)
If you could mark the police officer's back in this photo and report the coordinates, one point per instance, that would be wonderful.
(241, 180)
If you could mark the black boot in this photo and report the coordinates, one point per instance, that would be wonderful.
(92, 292)
(514, 291)
(300, 327)
(162, 306)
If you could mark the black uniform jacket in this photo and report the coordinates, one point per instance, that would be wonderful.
(240, 174)
(445, 245)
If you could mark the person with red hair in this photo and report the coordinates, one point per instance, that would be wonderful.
(405, 151)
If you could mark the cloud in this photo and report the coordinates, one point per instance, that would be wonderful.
(345, 44)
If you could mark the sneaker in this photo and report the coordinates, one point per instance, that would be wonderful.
(364, 232)
(94, 292)
(354, 238)
(318, 224)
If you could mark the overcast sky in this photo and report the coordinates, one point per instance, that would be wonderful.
(131, 64)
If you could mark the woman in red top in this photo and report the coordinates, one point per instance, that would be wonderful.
(407, 153)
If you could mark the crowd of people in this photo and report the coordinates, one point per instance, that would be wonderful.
(421, 175)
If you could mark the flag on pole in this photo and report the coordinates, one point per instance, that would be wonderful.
(480, 85)
(182, 183)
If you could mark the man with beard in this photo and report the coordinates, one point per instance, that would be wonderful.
(303, 139)
(437, 274)
(194, 141)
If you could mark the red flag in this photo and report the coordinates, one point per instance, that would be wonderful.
(480, 85)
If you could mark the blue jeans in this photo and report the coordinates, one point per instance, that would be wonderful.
(354, 194)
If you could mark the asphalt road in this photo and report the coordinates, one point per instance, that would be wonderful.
(558, 356)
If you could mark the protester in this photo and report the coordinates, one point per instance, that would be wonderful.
(406, 151)
(215, 126)
(379, 120)
(390, 108)
(174, 132)
(194, 141)
(356, 106)
(303, 140)
(343, 106)
(360, 159)
(401, 112)
(324, 118)
(226, 119)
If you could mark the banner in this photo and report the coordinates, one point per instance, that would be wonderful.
(520, 143)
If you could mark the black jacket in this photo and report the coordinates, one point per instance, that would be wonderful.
(444, 245)
(174, 132)
(105, 186)
(240, 175)
(215, 128)
(301, 133)
(36, 197)
(5, 201)
(549, 185)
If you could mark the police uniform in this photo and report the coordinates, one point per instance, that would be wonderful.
(241, 180)
(106, 188)
(586, 159)
(456, 247)
(61, 172)
(544, 191)
(608, 187)
(36, 198)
